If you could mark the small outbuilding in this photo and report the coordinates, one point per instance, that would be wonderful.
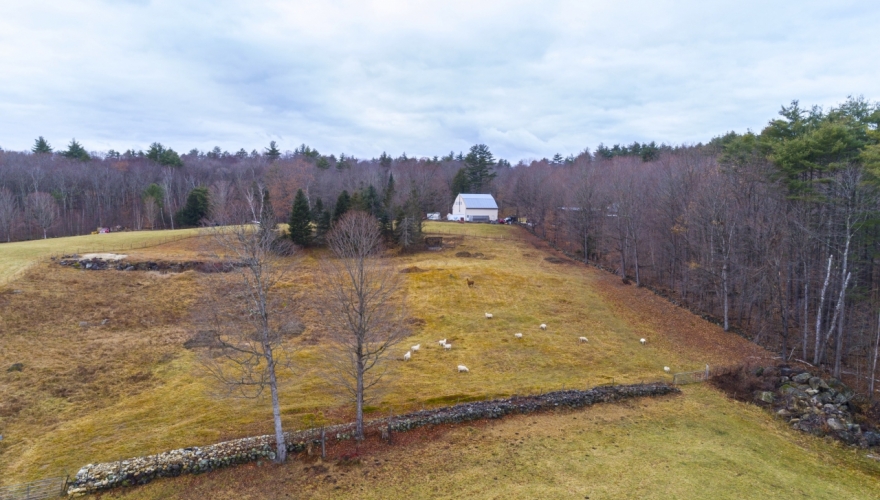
(474, 208)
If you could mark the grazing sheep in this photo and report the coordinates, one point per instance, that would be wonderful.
(583, 339)
(442, 342)
(415, 347)
(407, 355)
(470, 282)
(666, 369)
(517, 335)
(543, 326)
(488, 315)
(447, 346)
(643, 341)
(463, 369)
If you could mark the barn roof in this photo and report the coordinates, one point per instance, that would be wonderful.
(479, 201)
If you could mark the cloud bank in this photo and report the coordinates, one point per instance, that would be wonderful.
(529, 79)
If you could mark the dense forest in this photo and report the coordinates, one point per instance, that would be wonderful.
(772, 234)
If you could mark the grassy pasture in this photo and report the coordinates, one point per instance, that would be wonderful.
(126, 388)
(18, 256)
(694, 446)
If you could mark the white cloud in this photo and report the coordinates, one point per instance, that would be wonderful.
(528, 78)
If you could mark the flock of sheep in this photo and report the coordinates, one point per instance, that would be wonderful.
(464, 369)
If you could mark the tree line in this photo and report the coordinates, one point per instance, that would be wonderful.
(772, 233)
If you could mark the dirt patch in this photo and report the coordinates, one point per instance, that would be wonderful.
(555, 260)
(203, 338)
(413, 269)
(417, 322)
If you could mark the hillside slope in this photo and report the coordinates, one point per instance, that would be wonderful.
(127, 388)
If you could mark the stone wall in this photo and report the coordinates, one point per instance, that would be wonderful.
(195, 460)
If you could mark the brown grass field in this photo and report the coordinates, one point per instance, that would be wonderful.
(128, 387)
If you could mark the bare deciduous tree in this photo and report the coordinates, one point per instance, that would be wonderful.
(151, 211)
(8, 212)
(251, 320)
(364, 307)
(43, 210)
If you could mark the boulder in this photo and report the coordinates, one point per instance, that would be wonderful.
(765, 396)
(803, 378)
(836, 424)
(872, 438)
(814, 383)
(825, 398)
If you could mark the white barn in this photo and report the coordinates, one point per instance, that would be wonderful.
(474, 208)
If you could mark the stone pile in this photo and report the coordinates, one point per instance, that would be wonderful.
(822, 407)
(195, 460)
(98, 264)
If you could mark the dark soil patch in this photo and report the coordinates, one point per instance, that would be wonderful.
(555, 260)
(413, 269)
(203, 338)
(417, 322)
(463, 254)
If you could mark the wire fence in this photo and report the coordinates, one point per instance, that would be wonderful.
(53, 487)
(691, 377)
(469, 233)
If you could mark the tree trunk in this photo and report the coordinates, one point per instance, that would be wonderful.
(280, 443)
(724, 290)
(874, 364)
(838, 350)
(359, 412)
(817, 350)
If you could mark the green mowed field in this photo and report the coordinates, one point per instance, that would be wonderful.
(128, 387)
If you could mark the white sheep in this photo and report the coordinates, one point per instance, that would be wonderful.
(463, 369)
(666, 369)
(583, 339)
(488, 315)
(442, 342)
(643, 341)
(517, 335)
(415, 347)
(407, 355)
(543, 326)
(447, 346)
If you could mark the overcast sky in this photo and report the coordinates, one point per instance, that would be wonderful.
(360, 77)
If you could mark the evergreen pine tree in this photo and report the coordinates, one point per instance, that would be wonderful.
(388, 195)
(322, 227)
(196, 209)
(386, 219)
(317, 211)
(479, 163)
(460, 183)
(371, 202)
(267, 214)
(343, 204)
(41, 146)
(385, 160)
(408, 225)
(272, 152)
(75, 151)
(164, 156)
(299, 225)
